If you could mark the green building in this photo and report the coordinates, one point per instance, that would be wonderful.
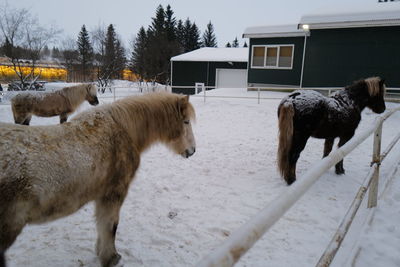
(329, 49)
(214, 67)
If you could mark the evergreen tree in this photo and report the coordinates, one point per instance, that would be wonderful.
(137, 61)
(245, 44)
(180, 34)
(228, 45)
(120, 60)
(45, 53)
(110, 53)
(85, 52)
(162, 44)
(8, 49)
(209, 39)
(55, 53)
(235, 43)
(170, 24)
(158, 22)
(156, 66)
(111, 58)
(191, 38)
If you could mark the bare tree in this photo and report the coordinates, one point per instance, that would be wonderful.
(36, 38)
(69, 55)
(109, 55)
(24, 39)
(99, 46)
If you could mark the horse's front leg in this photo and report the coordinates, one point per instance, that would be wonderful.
(339, 166)
(328, 146)
(107, 215)
(63, 118)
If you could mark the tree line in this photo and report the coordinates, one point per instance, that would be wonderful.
(100, 54)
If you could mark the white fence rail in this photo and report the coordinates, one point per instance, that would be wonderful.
(115, 92)
(244, 238)
(393, 94)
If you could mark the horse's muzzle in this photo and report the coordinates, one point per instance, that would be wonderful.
(94, 102)
(189, 152)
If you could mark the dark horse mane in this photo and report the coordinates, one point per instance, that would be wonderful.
(307, 113)
(358, 93)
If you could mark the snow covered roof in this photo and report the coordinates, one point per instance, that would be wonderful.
(213, 54)
(290, 30)
(367, 14)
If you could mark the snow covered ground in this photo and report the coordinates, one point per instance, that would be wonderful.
(228, 180)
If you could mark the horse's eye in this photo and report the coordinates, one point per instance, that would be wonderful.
(186, 122)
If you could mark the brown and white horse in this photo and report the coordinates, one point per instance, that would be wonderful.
(59, 103)
(48, 172)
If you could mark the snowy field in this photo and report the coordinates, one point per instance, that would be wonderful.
(228, 180)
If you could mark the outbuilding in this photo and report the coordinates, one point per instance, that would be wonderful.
(328, 49)
(215, 67)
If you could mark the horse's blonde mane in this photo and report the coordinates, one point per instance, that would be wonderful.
(373, 85)
(76, 94)
(157, 115)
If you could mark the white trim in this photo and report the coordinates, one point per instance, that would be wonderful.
(278, 56)
(351, 24)
(273, 35)
(272, 31)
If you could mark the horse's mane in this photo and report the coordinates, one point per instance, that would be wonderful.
(373, 85)
(149, 115)
(76, 94)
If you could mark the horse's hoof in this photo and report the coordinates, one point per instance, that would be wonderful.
(290, 181)
(113, 260)
(339, 171)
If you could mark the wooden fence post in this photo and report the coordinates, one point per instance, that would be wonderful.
(376, 159)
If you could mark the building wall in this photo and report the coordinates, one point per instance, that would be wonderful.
(336, 57)
(277, 76)
(187, 73)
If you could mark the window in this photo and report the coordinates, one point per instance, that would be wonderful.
(272, 53)
(258, 56)
(272, 56)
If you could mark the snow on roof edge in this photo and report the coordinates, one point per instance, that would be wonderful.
(214, 54)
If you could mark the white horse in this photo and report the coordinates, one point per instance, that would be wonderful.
(48, 172)
(59, 103)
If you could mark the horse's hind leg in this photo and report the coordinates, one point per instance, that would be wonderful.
(27, 120)
(339, 166)
(328, 146)
(107, 215)
(298, 143)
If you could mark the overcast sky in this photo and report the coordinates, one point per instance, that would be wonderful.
(229, 17)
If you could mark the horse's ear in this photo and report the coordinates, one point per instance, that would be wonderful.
(182, 105)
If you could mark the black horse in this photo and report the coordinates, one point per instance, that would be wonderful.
(308, 113)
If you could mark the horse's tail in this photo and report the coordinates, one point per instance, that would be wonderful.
(285, 115)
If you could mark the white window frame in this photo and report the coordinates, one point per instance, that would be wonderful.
(265, 56)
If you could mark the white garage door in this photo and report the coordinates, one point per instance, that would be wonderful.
(231, 78)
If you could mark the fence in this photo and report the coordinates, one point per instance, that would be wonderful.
(393, 94)
(244, 238)
(200, 90)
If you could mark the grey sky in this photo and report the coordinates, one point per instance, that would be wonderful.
(229, 18)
